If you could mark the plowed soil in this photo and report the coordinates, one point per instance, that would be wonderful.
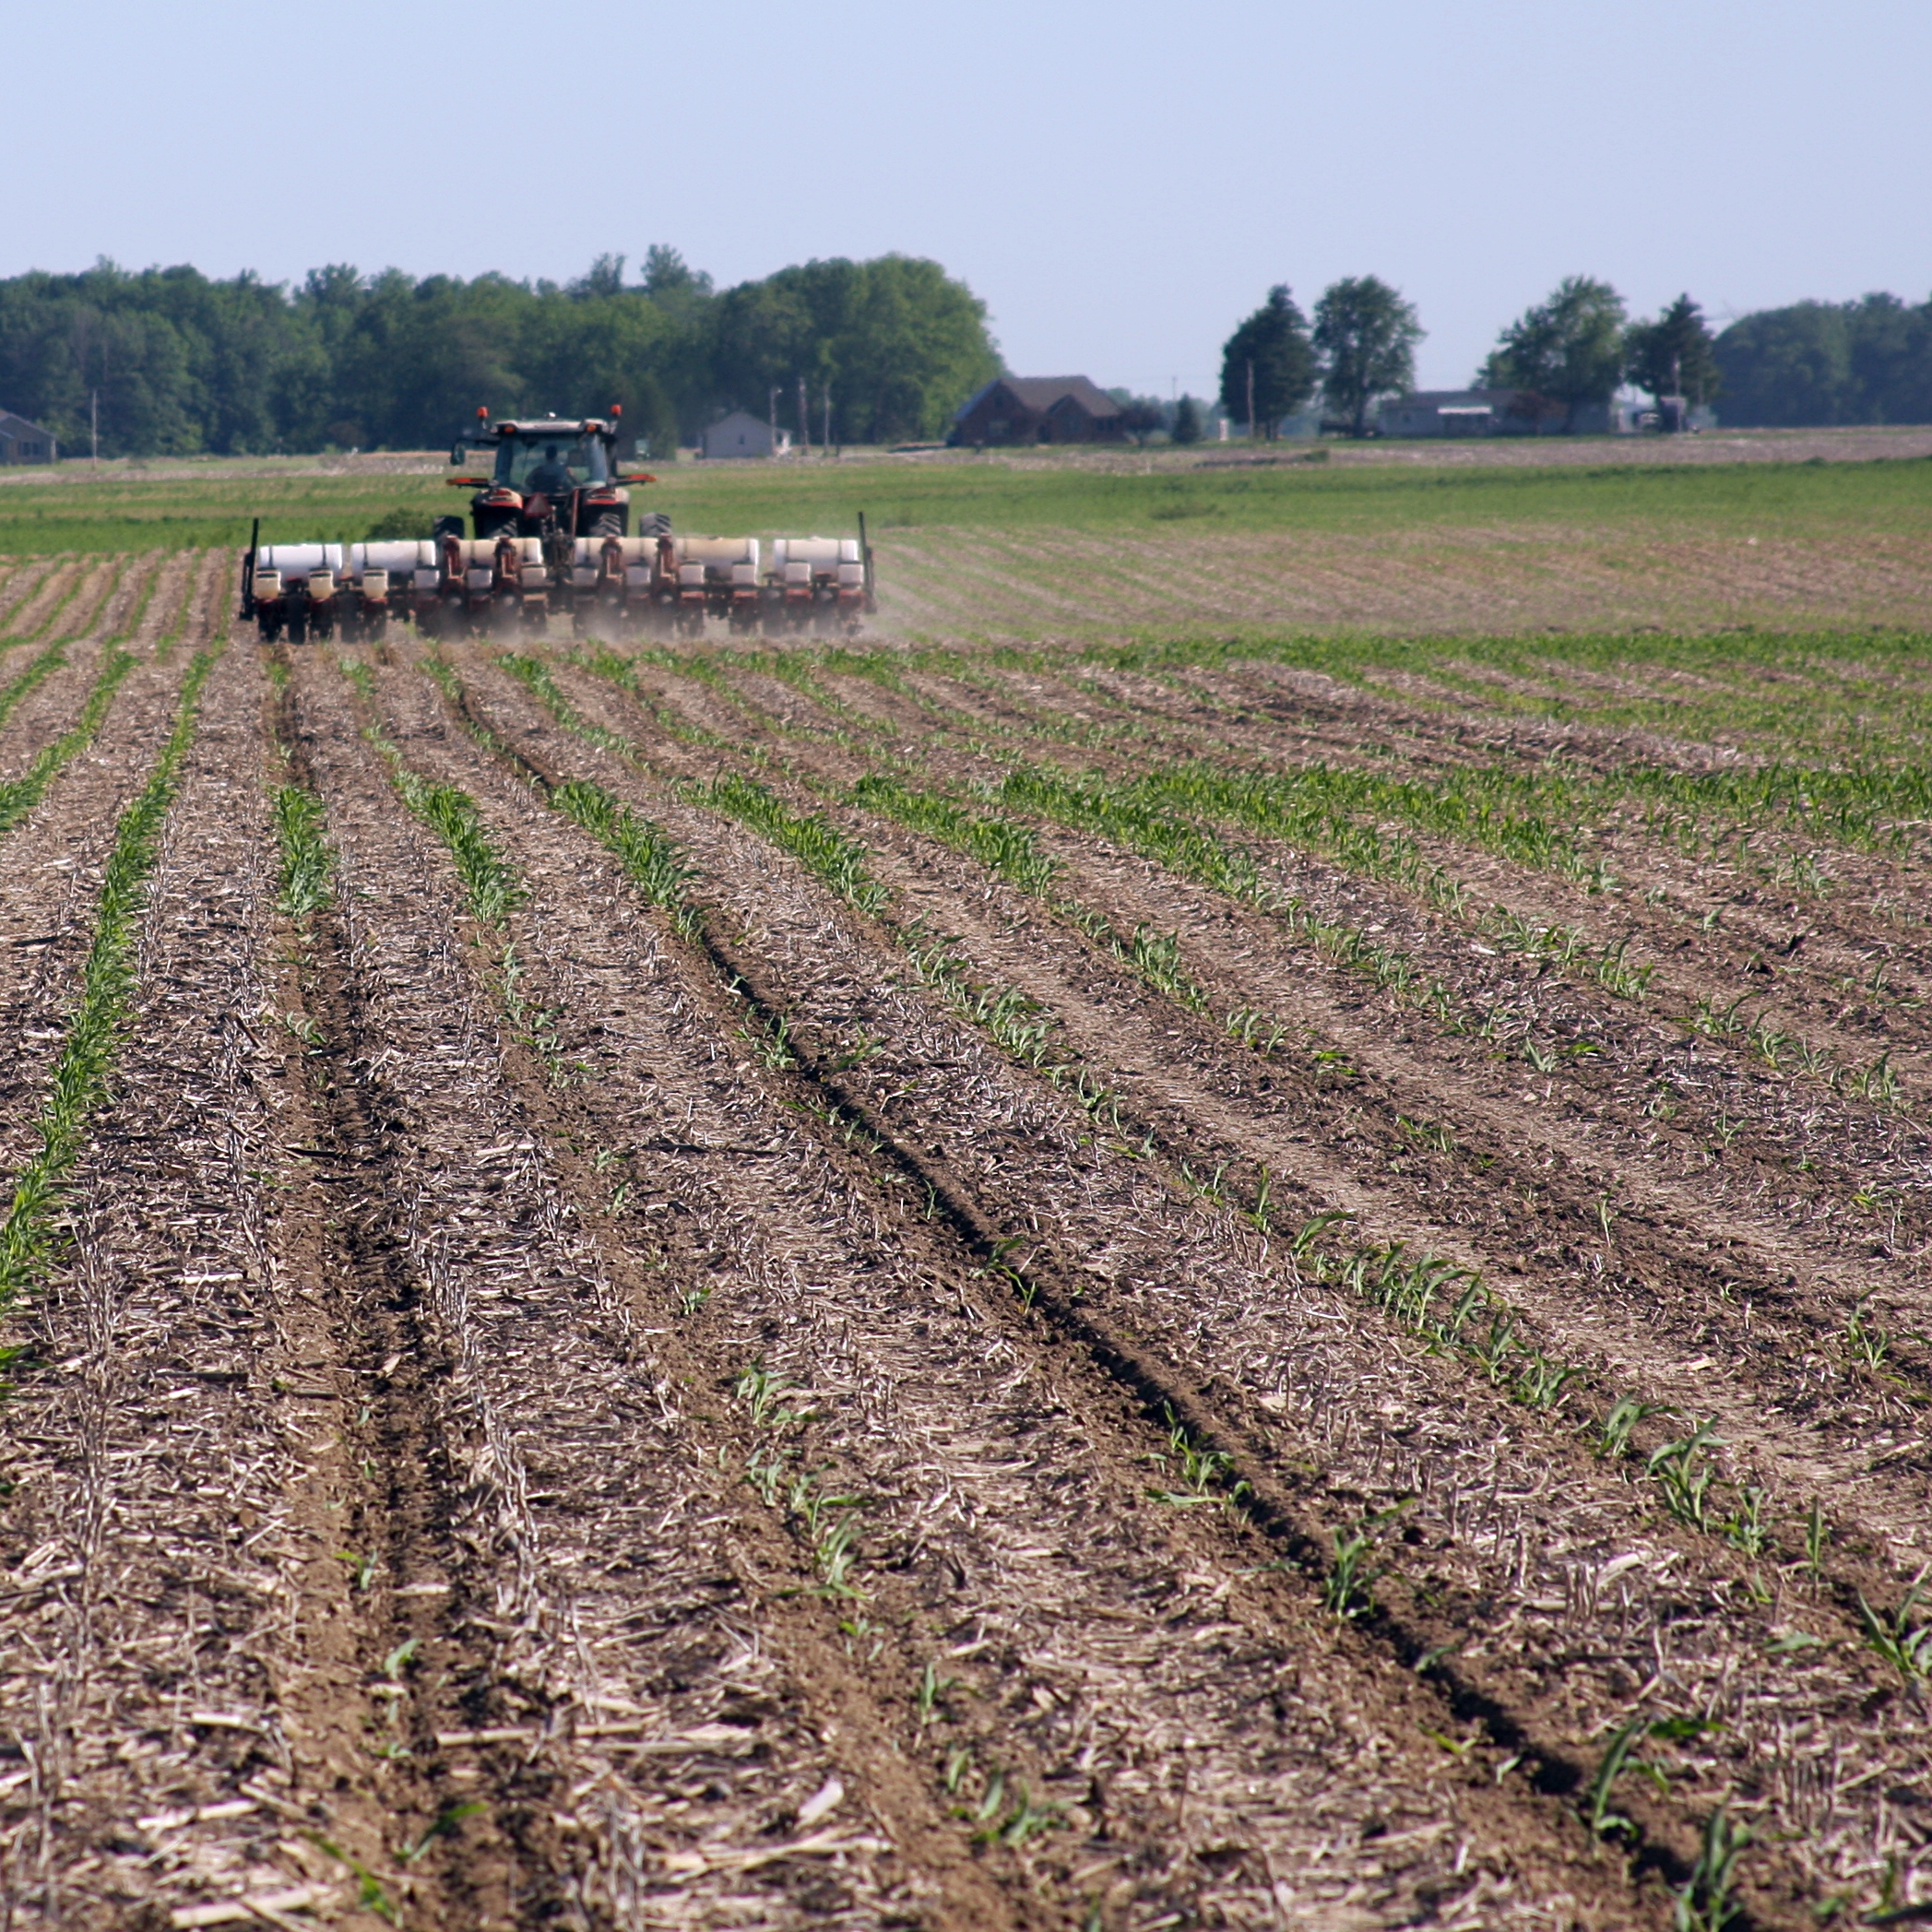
(954, 1286)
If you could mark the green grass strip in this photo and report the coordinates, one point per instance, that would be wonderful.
(838, 860)
(307, 861)
(29, 1234)
(19, 796)
(997, 843)
(36, 674)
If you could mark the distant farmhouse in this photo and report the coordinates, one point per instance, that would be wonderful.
(1490, 413)
(1038, 408)
(24, 442)
(741, 434)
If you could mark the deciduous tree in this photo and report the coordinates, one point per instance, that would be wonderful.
(1364, 340)
(1568, 349)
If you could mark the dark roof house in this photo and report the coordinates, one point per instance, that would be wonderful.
(24, 442)
(1037, 409)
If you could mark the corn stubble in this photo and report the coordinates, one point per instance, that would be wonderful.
(1121, 1283)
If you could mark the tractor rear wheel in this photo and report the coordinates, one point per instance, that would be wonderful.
(607, 525)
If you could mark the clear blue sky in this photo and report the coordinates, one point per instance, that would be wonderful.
(1118, 182)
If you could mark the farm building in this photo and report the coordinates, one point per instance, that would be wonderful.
(1038, 408)
(24, 442)
(1488, 412)
(742, 434)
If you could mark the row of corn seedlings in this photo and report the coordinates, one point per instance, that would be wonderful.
(1509, 811)
(1008, 848)
(1478, 1326)
(491, 887)
(36, 672)
(984, 1795)
(1015, 1022)
(30, 1236)
(19, 796)
(1387, 1277)
(56, 609)
(1128, 817)
(1544, 815)
(997, 1809)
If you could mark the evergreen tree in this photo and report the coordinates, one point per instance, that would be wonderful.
(1268, 357)
(1365, 337)
(1187, 421)
(1672, 356)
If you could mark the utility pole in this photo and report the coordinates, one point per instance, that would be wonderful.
(771, 403)
(825, 442)
(94, 426)
(804, 417)
(1252, 437)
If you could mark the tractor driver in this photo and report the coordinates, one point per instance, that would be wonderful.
(551, 476)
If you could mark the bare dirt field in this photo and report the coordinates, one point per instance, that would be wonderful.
(1116, 1285)
(1470, 581)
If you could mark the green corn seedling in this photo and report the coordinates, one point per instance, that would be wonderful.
(1681, 1472)
(1905, 1645)
(1623, 1417)
(1707, 1903)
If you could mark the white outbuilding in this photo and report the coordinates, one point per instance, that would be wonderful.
(741, 434)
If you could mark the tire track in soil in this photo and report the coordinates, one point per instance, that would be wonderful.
(910, 1358)
(1151, 1374)
(1865, 1143)
(1760, 1705)
(1681, 1269)
(604, 1603)
(1666, 1224)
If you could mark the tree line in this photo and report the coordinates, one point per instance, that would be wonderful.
(1810, 364)
(172, 363)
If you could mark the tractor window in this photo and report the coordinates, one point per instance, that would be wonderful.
(518, 461)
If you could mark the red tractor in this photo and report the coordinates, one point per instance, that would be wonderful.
(552, 518)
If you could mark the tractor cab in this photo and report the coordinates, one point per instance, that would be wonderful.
(549, 476)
